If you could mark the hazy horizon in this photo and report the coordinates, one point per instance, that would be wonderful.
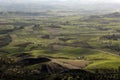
(82, 1)
(38, 5)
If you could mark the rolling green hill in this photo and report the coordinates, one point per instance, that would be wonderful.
(69, 42)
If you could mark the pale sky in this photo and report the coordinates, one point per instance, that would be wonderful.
(116, 1)
(65, 0)
(84, 1)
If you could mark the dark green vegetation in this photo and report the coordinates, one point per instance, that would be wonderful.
(43, 68)
(60, 47)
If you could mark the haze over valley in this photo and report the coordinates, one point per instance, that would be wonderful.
(67, 5)
(59, 40)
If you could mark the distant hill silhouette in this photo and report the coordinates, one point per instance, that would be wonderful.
(113, 15)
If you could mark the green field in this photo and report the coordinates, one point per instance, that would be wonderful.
(93, 39)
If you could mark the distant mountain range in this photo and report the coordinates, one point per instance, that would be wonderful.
(64, 5)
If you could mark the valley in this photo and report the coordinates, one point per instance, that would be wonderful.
(56, 44)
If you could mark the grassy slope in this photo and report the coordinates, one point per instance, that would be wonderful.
(74, 28)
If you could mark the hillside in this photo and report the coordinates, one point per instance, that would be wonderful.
(113, 15)
(73, 37)
(54, 41)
